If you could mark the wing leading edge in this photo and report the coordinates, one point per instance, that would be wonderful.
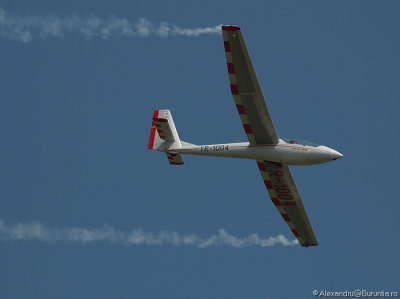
(284, 194)
(246, 90)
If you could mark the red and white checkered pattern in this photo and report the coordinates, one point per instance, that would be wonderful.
(234, 84)
(284, 195)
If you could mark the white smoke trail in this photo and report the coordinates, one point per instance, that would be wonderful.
(36, 231)
(27, 28)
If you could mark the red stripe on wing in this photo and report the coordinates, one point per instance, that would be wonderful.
(247, 129)
(268, 184)
(286, 217)
(295, 232)
(231, 28)
(240, 109)
(234, 89)
(261, 166)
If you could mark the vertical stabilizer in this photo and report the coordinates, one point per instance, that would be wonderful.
(163, 136)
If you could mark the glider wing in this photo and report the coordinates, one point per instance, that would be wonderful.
(283, 192)
(246, 90)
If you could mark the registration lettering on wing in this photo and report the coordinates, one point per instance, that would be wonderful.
(277, 184)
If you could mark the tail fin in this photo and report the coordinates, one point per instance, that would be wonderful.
(163, 136)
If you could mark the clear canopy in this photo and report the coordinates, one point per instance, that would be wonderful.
(299, 141)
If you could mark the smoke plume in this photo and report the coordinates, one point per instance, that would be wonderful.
(35, 231)
(26, 28)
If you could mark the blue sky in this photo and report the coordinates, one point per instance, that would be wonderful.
(75, 115)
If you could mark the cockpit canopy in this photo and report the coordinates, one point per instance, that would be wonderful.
(300, 142)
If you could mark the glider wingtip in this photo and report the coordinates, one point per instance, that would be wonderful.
(230, 27)
(308, 245)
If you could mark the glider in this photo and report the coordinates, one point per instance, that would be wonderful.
(273, 155)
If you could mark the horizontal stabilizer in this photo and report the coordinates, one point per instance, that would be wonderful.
(175, 159)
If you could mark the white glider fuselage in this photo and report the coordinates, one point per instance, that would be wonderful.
(286, 153)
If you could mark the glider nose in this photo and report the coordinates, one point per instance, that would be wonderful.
(336, 155)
